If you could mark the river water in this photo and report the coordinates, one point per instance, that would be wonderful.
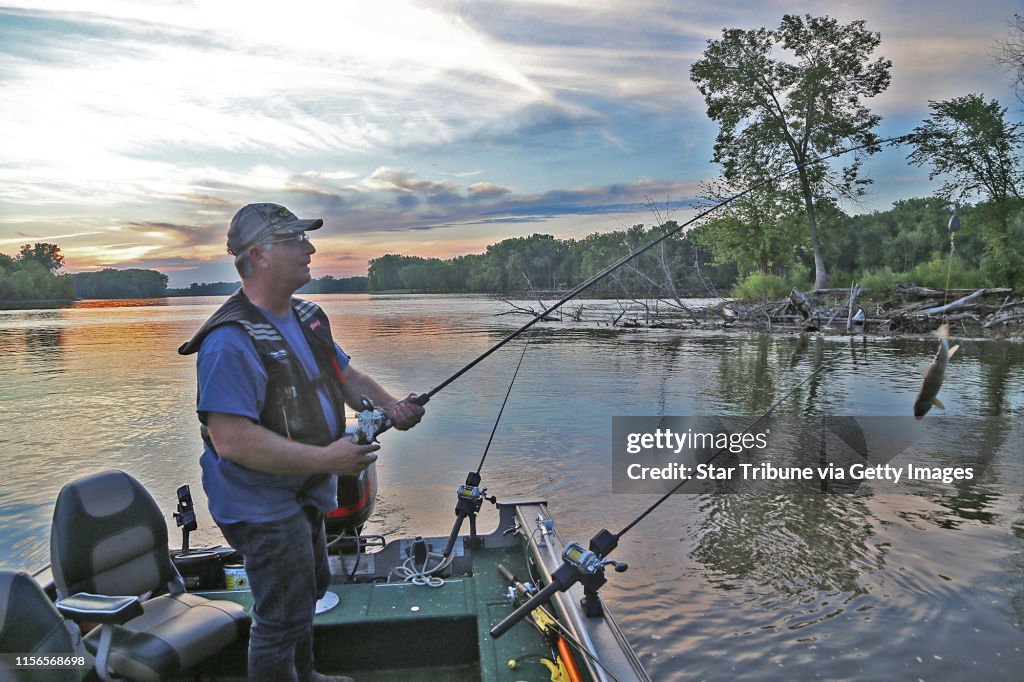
(917, 582)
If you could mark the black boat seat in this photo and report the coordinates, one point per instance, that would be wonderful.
(109, 538)
(29, 624)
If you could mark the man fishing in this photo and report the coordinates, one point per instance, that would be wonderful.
(272, 388)
(934, 375)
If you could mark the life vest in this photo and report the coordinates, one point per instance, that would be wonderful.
(292, 407)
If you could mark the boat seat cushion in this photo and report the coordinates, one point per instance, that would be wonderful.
(174, 633)
(30, 624)
(110, 538)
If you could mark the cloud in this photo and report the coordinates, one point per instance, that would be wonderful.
(487, 190)
(144, 126)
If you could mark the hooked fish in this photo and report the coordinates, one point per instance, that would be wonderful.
(933, 376)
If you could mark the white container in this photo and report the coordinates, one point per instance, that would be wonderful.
(235, 578)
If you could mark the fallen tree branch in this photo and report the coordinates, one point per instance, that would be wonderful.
(1008, 316)
(954, 304)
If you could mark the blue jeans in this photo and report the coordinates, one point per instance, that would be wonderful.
(286, 563)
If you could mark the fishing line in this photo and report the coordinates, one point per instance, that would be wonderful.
(721, 450)
(954, 225)
(504, 402)
(425, 397)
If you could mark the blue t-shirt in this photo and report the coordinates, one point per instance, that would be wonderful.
(232, 380)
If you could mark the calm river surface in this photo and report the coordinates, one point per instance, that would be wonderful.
(908, 582)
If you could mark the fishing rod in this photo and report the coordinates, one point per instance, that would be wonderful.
(470, 497)
(373, 420)
(471, 494)
(580, 565)
(586, 566)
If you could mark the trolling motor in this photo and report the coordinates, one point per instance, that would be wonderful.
(579, 565)
(185, 516)
(471, 497)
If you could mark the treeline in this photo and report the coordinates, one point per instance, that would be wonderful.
(335, 285)
(111, 283)
(910, 240)
(543, 263)
(206, 289)
(320, 285)
(909, 243)
(33, 275)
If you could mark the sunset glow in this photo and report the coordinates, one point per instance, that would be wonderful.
(132, 131)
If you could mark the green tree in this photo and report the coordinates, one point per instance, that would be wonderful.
(793, 94)
(111, 283)
(752, 231)
(969, 143)
(32, 275)
(47, 255)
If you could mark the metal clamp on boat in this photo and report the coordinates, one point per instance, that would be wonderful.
(579, 565)
(185, 516)
(471, 496)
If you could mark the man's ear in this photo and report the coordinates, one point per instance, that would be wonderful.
(257, 255)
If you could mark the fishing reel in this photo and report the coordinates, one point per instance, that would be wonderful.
(579, 565)
(471, 495)
(370, 422)
(588, 563)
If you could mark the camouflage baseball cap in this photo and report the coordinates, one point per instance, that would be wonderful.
(255, 222)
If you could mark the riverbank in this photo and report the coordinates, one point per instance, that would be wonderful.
(37, 304)
(904, 310)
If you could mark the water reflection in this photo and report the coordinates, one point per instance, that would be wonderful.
(720, 586)
(796, 545)
(88, 303)
(32, 349)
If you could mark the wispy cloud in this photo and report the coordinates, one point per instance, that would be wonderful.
(132, 131)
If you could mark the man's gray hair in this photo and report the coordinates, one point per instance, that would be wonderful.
(244, 265)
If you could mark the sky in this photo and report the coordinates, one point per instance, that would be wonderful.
(131, 132)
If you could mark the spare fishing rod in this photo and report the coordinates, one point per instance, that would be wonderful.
(469, 498)
(376, 420)
(471, 494)
(579, 565)
(586, 566)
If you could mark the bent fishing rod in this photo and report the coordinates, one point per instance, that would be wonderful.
(580, 565)
(373, 420)
(586, 565)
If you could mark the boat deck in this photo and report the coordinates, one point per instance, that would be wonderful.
(400, 631)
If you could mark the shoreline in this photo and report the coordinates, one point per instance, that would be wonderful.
(37, 304)
(907, 312)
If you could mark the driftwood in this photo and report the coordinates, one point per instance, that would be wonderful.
(979, 309)
(913, 291)
(1016, 313)
(955, 304)
(855, 292)
(520, 310)
(800, 303)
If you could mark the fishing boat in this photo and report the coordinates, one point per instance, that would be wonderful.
(437, 608)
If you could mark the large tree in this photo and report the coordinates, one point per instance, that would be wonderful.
(793, 94)
(47, 255)
(969, 143)
(1010, 54)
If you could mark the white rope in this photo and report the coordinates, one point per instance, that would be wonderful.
(421, 575)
